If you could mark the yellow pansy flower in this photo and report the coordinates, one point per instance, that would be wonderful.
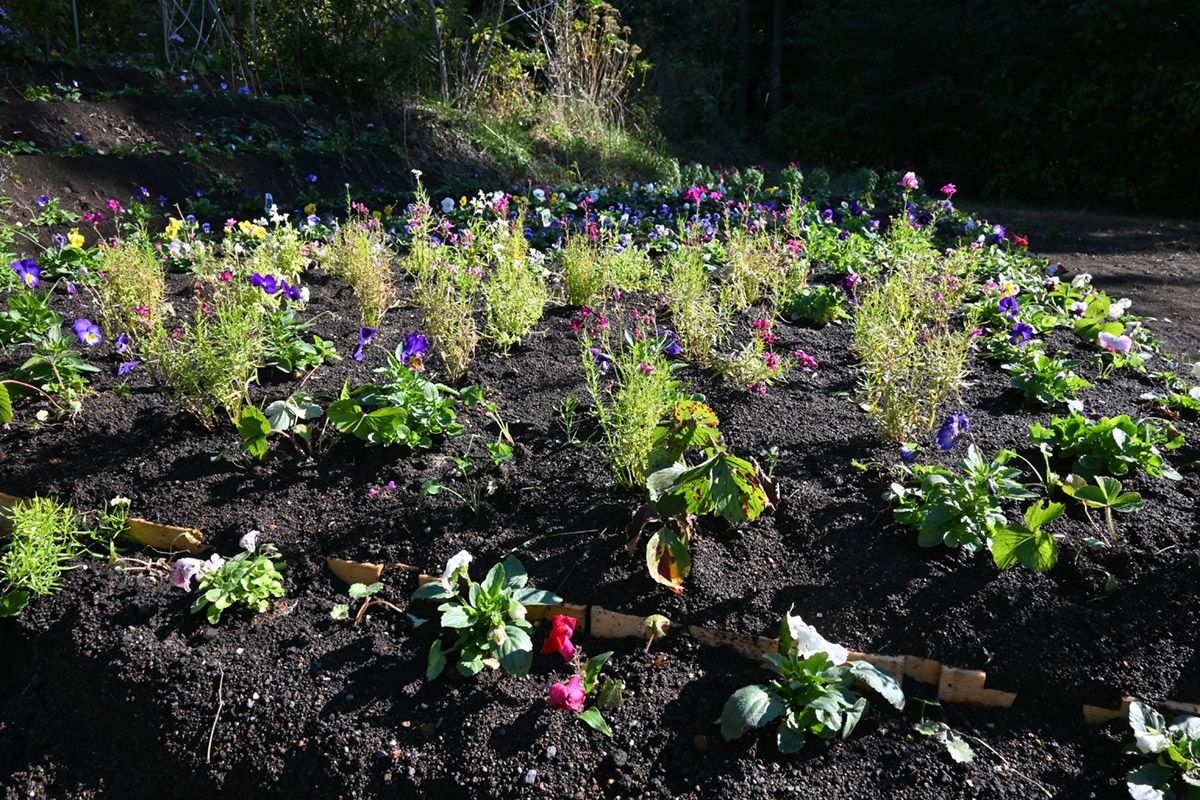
(376, 215)
(75, 238)
(310, 209)
(173, 228)
(245, 227)
(258, 232)
(387, 210)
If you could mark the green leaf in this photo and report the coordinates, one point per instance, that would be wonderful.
(958, 749)
(591, 670)
(340, 611)
(657, 624)
(536, 597)
(13, 603)
(515, 575)
(736, 489)
(1144, 718)
(1148, 781)
(610, 694)
(360, 590)
(437, 661)
(6, 412)
(882, 682)
(1041, 513)
(456, 616)
(516, 654)
(592, 718)
(1035, 549)
(434, 590)
(749, 707)
(790, 738)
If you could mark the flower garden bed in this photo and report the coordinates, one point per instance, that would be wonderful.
(111, 685)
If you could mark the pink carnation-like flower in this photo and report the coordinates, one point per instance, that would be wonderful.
(909, 181)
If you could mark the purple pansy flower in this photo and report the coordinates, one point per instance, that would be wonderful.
(127, 367)
(28, 271)
(952, 430)
(1020, 333)
(265, 282)
(602, 361)
(365, 335)
(414, 345)
(1009, 307)
(87, 332)
(121, 344)
(670, 344)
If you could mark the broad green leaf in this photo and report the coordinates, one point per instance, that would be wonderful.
(883, 682)
(853, 715)
(516, 653)
(1041, 513)
(592, 718)
(360, 590)
(348, 417)
(6, 412)
(749, 707)
(13, 603)
(434, 590)
(1147, 782)
(1144, 718)
(536, 597)
(515, 575)
(340, 611)
(1035, 549)
(736, 489)
(493, 582)
(790, 738)
(591, 670)
(610, 694)
(958, 749)
(667, 559)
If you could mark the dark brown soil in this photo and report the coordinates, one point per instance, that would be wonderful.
(112, 688)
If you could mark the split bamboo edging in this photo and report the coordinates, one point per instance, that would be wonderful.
(954, 685)
(162, 537)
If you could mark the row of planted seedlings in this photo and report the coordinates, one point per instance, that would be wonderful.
(924, 287)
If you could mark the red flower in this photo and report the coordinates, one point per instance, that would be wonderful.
(1020, 241)
(568, 696)
(560, 639)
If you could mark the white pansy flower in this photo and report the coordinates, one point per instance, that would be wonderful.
(1151, 742)
(807, 641)
(539, 195)
(447, 205)
(456, 562)
(1081, 280)
(1115, 310)
(1196, 369)
(249, 541)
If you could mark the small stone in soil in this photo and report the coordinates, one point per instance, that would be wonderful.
(551, 752)
(530, 777)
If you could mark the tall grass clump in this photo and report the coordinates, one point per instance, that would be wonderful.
(359, 254)
(912, 345)
(45, 534)
(446, 289)
(210, 362)
(132, 295)
(631, 384)
(699, 316)
(757, 268)
(516, 291)
(584, 269)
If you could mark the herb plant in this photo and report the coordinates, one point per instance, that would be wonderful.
(489, 617)
(45, 535)
(359, 254)
(815, 305)
(516, 293)
(1047, 380)
(813, 690)
(248, 579)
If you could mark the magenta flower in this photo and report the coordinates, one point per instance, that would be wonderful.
(646, 369)
(909, 181)
(949, 189)
(806, 362)
(560, 637)
(568, 696)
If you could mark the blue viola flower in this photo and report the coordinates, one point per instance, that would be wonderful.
(952, 430)
(87, 332)
(265, 282)
(127, 367)
(28, 271)
(414, 345)
(42, 201)
(908, 453)
(1009, 307)
(290, 292)
(1020, 333)
(365, 335)
(121, 344)
(670, 344)
(600, 359)
(312, 178)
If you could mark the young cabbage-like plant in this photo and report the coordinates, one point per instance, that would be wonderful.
(1109, 445)
(721, 484)
(958, 510)
(489, 617)
(1174, 771)
(289, 417)
(813, 690)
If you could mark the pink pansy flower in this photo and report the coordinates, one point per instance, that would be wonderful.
(949, 189)
(909, 181)
(185, 570)
(1117, 344)
(568, 696)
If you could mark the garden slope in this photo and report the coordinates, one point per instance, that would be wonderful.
(112, 686)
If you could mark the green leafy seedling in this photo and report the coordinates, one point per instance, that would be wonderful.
(1106, 494)
(1028, 544)
(361, 591)
(657, 625)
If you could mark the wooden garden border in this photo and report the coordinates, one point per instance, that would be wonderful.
(954, 685)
